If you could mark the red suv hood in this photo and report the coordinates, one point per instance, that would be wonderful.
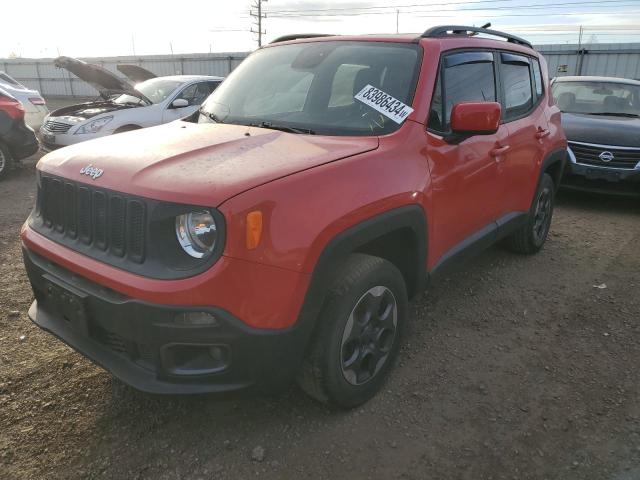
(201, 164)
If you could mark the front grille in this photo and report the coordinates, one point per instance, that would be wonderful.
(103, 220)
(56, 127)
(626, 158)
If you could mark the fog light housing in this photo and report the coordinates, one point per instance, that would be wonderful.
(201, 319)
(187, 359)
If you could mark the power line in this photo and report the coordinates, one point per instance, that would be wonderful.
(532, 14)
(594, 3)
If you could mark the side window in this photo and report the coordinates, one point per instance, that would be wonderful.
(188, 93)
(212, 86)
(537, 78)
(197, 93)
(516, 82)
(463, 77)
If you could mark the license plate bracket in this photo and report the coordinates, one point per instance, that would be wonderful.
(597, 174)
(67, 302)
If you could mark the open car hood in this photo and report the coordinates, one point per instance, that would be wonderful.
(98, 77)
(135, 73)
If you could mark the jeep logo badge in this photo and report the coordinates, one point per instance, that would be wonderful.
(606, 156)
(93, 172)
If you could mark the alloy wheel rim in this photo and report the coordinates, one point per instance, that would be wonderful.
(369, 335)
(542, 215)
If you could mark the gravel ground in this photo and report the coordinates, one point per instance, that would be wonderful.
(516, 368)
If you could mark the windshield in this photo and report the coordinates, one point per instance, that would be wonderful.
(310, 88)
(155, 89)
(597, 98)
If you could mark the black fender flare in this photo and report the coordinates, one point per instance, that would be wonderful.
(556, 156)
(348, 241)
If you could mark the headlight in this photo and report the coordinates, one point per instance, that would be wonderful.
(94, 126)
(197, 233)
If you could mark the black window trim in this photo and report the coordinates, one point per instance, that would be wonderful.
(500, 98)
(440, 77)
(534, 97)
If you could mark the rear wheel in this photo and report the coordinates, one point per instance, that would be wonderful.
(359, 333)
(5, 160)
(531, 236)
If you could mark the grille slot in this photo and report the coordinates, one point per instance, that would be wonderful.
(70, 213)
(100, 219)
(135, 238)
(56, 127)
(103, 220)
(590, 155)
(84, 214)
(111, 340)
(117, 225)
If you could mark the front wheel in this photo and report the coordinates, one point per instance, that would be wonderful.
(531, 236)
(358, 333)
(5, 160)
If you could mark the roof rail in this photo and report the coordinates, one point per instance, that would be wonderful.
(298, 36)
(444, 30)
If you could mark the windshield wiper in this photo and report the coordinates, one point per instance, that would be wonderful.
(210, 116)
(282, 128)
(616, 114)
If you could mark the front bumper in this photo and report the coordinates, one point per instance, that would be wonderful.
(578, 176)
(52, 141)
(141, 344)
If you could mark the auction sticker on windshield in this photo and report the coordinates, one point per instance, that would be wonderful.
(384, 103)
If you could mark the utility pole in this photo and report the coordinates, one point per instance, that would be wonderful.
(397, 20)
(257, 5)
(579, 54)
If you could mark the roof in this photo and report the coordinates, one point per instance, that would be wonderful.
(191, 78)
(458, 41)
(587, 78)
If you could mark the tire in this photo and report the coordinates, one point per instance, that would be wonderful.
(5, 160)
(531, 236)
(353, 350)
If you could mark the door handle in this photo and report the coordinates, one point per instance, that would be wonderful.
(541, 133)
(496, 152)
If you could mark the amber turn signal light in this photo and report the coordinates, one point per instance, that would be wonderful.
(254, 229)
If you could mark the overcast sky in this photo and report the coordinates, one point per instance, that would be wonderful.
(122, 27)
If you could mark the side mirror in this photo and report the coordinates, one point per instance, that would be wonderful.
(180, 103)
(475, 118)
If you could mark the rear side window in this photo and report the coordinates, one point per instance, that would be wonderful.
(463, 77)
(516, 83)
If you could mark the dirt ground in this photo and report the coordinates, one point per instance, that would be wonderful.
(517, 368)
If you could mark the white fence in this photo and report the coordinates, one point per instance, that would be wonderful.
(605, 59)
(612, 59)
(42, 75)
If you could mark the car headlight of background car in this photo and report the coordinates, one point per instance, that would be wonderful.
(94, 126)
(197, 233)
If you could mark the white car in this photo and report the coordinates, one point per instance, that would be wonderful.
(35, 107)
(123, 106)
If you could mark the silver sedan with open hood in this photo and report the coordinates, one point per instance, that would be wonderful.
(141, 100)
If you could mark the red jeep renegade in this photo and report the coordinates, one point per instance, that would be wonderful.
(279, 232)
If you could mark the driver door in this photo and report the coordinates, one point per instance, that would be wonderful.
(467, 184)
